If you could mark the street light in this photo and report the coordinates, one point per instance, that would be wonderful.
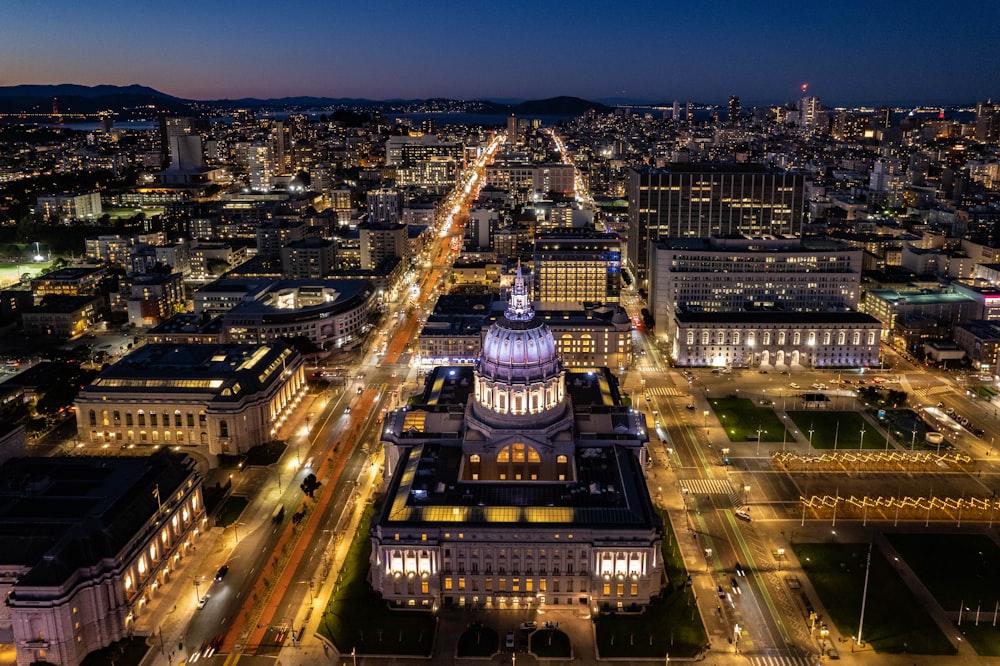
(862, 443)
(197, 595)
(781, 554)
(705, 423)
(746, 495)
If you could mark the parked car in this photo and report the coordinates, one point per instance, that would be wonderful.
(509, 643)
(221, 573)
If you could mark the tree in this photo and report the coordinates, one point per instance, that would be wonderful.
(310, 485)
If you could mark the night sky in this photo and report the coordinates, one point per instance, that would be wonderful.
(849, 52)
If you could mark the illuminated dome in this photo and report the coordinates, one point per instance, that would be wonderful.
(519, 371)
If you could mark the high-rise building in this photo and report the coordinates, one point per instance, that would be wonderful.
(811, 114)
(734, 110)
(689, 112)
(987, 121)
(512, 128)
(385, 206)
(676, 112)
(882, 117)
(502, 496)
(578, 266)
(703, 200)
(379, 241)
(262, 166)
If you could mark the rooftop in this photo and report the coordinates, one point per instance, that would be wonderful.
(60, 514)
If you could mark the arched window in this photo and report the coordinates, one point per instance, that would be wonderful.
(690, 337)
(93, 417)
(474, 458)
(223, 429)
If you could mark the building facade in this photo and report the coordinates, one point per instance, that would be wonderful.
(578, 266)
(776, 339)
(516, 484)
(699, 201)
(77, 576)
(332, 314)
(751, 274)
(221, 398)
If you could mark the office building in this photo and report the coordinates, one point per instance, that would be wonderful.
(578, 266)
(385, 206)
(308, 258)
(699, 201)
(516, 484)
(331, 313)
(751, 274)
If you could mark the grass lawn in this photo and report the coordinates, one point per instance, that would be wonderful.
(550, 644)
(671, 624)
(827, 432)
(357, 618)
(231, 510)
(741, 419)
(265, 454)
(478, 641)
(956, 568)
(11, 273)
(968, 579)
(894, 619)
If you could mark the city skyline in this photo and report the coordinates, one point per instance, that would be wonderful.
(646, 52)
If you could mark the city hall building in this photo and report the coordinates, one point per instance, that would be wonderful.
(515, 483)
(224, 398)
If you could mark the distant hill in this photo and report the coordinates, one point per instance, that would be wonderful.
(143, 101)
(559, 106)
(73, 98)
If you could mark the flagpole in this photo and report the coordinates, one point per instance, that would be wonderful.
(864, 594)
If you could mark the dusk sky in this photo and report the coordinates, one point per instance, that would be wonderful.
(849, 52)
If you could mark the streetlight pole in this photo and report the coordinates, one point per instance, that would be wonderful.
(810, 435)
(864, 594)
(197, 594)
(863, 436)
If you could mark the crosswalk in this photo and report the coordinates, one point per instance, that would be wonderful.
(666, 391)
(712, 487)
(775, 660)
(931, 390)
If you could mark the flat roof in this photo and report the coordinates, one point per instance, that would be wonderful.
(223, 371)
(60, 514)
(771, 317)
